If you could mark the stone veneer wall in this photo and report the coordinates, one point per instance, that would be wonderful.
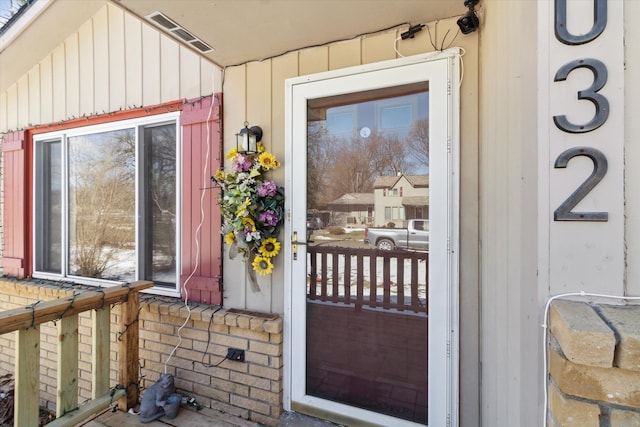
(251, 389)
(594, 365)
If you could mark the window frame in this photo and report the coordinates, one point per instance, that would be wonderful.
(443, 69)
(138, 124)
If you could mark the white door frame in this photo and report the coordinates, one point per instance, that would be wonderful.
(441, 69)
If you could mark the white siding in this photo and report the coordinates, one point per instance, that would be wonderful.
(87, 77)
(134, 71)
(46, 94)
(100, 61)
(112, 62)
(34, 96)
(117, 58)
(169, 69)
(510, 309)
(150, 65)
(632, 147)
(255, 92)
(72, 74)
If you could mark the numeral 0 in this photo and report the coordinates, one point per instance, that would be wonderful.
(564, 211)
(599, 23)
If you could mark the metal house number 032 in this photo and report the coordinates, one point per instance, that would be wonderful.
(564, 211)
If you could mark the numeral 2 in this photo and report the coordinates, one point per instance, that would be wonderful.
(564, 211)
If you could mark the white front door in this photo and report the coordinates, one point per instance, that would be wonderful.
(371, 335)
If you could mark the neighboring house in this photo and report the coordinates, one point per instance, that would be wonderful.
(400, 198)
(353, 208)
(114, 115)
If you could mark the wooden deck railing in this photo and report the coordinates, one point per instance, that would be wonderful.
(64, 312)
(403, 277)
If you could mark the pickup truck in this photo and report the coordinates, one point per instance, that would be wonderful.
(415, 236)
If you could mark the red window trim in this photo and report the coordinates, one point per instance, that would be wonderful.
(115, 116)
(17, 254)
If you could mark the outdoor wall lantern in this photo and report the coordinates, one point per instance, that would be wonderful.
(247, 139)
(469, 22)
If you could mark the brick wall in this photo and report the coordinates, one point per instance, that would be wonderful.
(250, 389)
(594, 365)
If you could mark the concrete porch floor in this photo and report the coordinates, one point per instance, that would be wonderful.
(187, 417)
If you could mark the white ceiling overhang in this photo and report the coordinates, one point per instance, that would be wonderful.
(238, 30)
(45, 25)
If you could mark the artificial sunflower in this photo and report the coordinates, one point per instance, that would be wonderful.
(229, 238)
(270, 247)
(232, 153)
(251, 206)
(262, 265)
(248, 222)
(220, 175)
(267, 160)
(242, 210)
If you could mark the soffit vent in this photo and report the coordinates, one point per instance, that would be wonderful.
(167, 24)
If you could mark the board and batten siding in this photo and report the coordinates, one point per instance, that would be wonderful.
(113, 66)
(632, 147)
(255, 92)
(113, 62)
(511, 350)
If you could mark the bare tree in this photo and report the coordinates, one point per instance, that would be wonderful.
(418, 142)
(321, 156)
(336, 166)
(102, 200)
(389, 154)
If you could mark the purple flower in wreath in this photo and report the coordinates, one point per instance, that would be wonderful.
(267, 189)
(269, 217)
(241, 163)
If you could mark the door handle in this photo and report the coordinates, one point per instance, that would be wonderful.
(294, 245)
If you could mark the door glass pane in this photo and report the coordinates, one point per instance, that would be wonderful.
(48, 243)
(102, 205)
(366, 307)
(160, 204)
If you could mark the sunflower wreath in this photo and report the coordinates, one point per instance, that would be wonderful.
(252, 209)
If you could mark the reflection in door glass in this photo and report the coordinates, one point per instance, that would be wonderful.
(368, 233)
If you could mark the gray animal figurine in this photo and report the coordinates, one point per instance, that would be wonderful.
(155, 398)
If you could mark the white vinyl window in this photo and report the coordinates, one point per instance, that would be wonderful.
(106, 203)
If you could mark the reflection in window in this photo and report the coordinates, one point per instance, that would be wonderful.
(341, 120)
(367, 161)
(159, 204)
(105, 204)
(396, 117)
(48, 245)
(101, 186)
